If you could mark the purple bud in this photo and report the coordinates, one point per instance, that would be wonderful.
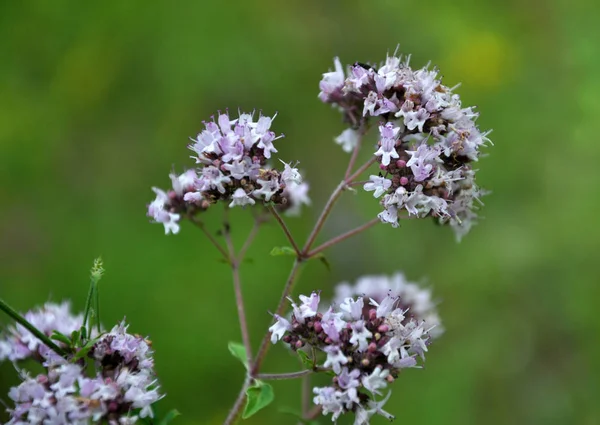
(318, 327)
(401, 163)
(382, 167)
(299, 344)
(372, 347)
(383, 328)
(403, 181)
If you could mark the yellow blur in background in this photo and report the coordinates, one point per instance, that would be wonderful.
(98, 100)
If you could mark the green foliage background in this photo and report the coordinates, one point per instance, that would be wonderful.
(98, 99)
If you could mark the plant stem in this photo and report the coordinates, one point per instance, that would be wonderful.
(23, 322)
(301, 256)
(289, 375)
(287, 232)
(88, 304)
(236, 410)
(210, 237)
(363, 167)
(343, 237)
(305, 394)
(239, 299)
(354, 155)
(324, 214)
(249, 240)
(331, 202)
(265, 343)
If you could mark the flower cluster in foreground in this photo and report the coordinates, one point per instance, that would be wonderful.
(232, 156)
(120, 390)
(367, 344)
(427, 140)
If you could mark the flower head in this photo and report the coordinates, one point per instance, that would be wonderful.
(120, 388)
(366, 343)
(232, 157)
(427, 139)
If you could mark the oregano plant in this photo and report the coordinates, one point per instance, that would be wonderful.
(362, 339)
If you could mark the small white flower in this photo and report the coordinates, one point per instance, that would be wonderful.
(348, 139)
(377, 184)
(360, 335)
(290, 175)
(268, 189)
(376, 380)
(280, 327)
(241, 198)
(335, 358)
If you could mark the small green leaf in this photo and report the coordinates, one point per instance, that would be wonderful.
(83, 333)
(75, 336)
(306, 360)
(83, 351)
(168, 418)
(57, 336)
(323, 260)
(258, 396)
(239, 352)
(283, 250)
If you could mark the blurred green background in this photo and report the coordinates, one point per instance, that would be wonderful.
(98, 99)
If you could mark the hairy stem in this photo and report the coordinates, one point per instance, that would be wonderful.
(324, 214)
(343, 237)
(266, 341)
(361, 170)
(210, 237)
(23, 322)
(290, 375)
(354, 155)
(236, 410)
(287, 232)
(239, 298)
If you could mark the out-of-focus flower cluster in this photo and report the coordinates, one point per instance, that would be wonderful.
(412, 298)
(119, 389)
(232, 158)
(427, 140)
(367, 344)
(19, 344)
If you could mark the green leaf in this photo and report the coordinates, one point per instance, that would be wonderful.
(168, 418)
(323, 260)
(57, 336)
(83, 351)
(75, 336)
(283, 250)
(306, 360)
(258, 396)
(239, 352)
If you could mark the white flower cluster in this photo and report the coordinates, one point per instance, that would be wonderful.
(427, 140)
(232, 160)
(367, 344)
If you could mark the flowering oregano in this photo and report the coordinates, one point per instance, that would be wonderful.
(364, 338)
